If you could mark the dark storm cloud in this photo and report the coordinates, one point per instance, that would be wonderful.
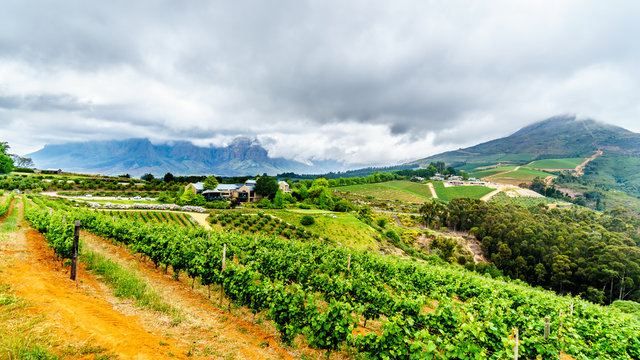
(412, 75)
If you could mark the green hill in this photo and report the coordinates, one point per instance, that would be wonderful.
(555, 138)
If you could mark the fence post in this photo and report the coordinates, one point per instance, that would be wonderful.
(349, 263)
(224, 260)
(547, 325)
(74, 258)
(515, 347)
(571, 313)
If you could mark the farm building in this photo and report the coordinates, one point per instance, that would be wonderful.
(239, 192)
(284, 186)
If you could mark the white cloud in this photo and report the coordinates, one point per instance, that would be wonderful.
(359, 81)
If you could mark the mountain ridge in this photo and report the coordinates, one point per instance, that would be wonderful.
(558, 136)
(137, 156)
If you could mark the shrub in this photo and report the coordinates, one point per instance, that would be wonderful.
(307, 220)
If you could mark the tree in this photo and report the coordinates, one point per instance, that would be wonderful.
(168, 177)
(6, 163)
(266, 186)
(147, 177)
(278, 200)
(21, 162)
(432, 211)
(210, 183)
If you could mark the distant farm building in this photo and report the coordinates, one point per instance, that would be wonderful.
(238, 192)
(284, 186)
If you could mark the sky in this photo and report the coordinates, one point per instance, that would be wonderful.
(362, 82)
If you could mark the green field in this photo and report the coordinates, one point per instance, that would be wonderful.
(490, 172)
(450, 193)
(558, 164)
(405, 191)
(524, 174)
(345, 228)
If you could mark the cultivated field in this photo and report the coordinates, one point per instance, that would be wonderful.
(450, 193)
(405, 191)
(515, 177)
(557, 164)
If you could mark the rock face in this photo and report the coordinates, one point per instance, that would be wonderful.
(136, 157)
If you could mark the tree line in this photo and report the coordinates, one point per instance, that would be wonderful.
(577, 251)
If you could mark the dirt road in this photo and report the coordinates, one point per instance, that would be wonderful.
(579, 170)
(490, 195)
(433, 190)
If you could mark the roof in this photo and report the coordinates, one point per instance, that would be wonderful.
(250, 182)
(227, 187)
(198, 185)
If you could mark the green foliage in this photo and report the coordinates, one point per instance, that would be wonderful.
(307, 220)
(266, 186)
(278, 200)
(210, 183)
(573, 250)
(453, 192)
(280, 276)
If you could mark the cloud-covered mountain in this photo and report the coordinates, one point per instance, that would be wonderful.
(139, 156)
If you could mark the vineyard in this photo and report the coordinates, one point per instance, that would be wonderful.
(150, 217)
(260, 224)
(402, 309)
(4, 208)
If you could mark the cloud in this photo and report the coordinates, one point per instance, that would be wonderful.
(367, 82)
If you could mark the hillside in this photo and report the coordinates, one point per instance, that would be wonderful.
(556, 137)
(139, 156)
(557, 145)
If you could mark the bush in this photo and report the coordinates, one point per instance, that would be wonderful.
(307, 220)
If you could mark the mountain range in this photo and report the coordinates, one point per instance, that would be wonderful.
(556, 137)
(136, 157)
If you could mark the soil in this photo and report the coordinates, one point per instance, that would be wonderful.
(490, 195)
(580, 168)
(433, 190)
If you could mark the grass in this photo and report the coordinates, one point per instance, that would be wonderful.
(22, 335)
(400, 190)
(126, 283)
(557, 164)
(450, 193)
(10, 222)
(346, 228)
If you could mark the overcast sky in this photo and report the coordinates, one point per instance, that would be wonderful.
(366, 81)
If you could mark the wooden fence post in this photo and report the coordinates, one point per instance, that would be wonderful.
(547, 325)
(224, 260)
(74, 258)
(349, 263)
(515, 347)
(571, 313)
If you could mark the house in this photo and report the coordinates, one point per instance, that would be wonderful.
(239, 192)
(197, 188)
(284, 186)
